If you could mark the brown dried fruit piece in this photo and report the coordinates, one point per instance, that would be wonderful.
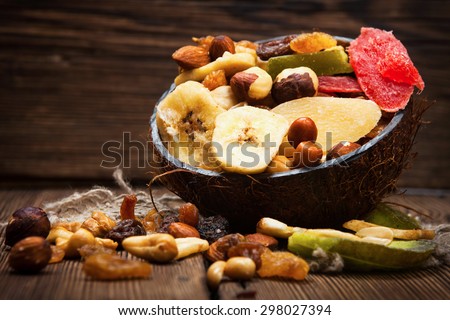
(124, 229)
(112, 267)
(152, 221)
(127, 207)
(218, 249)
(252, 250)
(274, 48)
(215, 79)
(282, 264)
(91, 249)
(213, 228)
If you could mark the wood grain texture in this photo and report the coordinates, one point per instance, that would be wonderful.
(186, 279)
(77, 74)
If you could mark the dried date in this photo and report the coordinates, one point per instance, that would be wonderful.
(275, 48)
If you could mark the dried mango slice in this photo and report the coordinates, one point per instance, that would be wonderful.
(337, 119)
(312, 42)
(328, 62)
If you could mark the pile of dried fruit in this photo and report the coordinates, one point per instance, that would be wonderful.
(387, 239)
(291, 102)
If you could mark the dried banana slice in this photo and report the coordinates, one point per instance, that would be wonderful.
(246, 139)
(185, 119)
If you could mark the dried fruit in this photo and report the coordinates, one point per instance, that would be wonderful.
(215, 79)
(336, 119)
(152, 221)
(224, 97)
(252, 134)
(91, 249)
(385, 215)
(188, 213)
(274, 48)
(124, 229)
(302, 129)
(282, 264)
(127, 207)
(252, 250)
(182, 230)
(218, 249)
(328, 62)
(219, 45)
(30, 255)
(112, 267)
(332, 84)
(213, 228)
(312, 42)
(158, 247)
(168, 217)
(411, 234)
(295, 83)
(26, 222)
(99, 224)
(307, 154)
(190, 57)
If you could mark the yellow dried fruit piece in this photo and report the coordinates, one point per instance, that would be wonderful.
(112, 267)
(312, 42)
(337, 119)
(282, 264)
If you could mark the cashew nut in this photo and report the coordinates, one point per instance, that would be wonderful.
(158, 247)
(214, 274)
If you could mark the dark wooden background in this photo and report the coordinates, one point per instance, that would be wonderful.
(76, 74)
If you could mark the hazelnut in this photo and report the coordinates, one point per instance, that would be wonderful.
(295, 83)
(188, 213)
(182, 230)
(191, 57)
(219, 45)
(307, 154)
(302, 129)
(30, 255)
(251, 85)
(341, 149)
(26, 222)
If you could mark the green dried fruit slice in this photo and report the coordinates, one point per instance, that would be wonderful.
(387, 216)
(363, 256)
(324, 63)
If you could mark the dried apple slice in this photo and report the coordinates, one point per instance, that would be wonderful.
(337, 119)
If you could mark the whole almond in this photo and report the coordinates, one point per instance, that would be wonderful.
(182, 230)
(267, 241)
(219, 45)
(191, 57)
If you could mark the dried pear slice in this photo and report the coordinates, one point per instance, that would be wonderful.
(337, 119)
(230, 63)
(324, 63)
(387, 216)
(362, 255)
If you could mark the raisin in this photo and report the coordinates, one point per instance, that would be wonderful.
(168, 217)
(90, 249)
(274, 48)
(112, 267)
(282, 264)
(213, 228)
(250, 250)
(124, 229)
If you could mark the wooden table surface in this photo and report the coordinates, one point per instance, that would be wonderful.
(185, 279)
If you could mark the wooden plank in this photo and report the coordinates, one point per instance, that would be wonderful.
(183, 279)
(77, 74)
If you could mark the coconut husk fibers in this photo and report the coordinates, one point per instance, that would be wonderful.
(322, 197)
